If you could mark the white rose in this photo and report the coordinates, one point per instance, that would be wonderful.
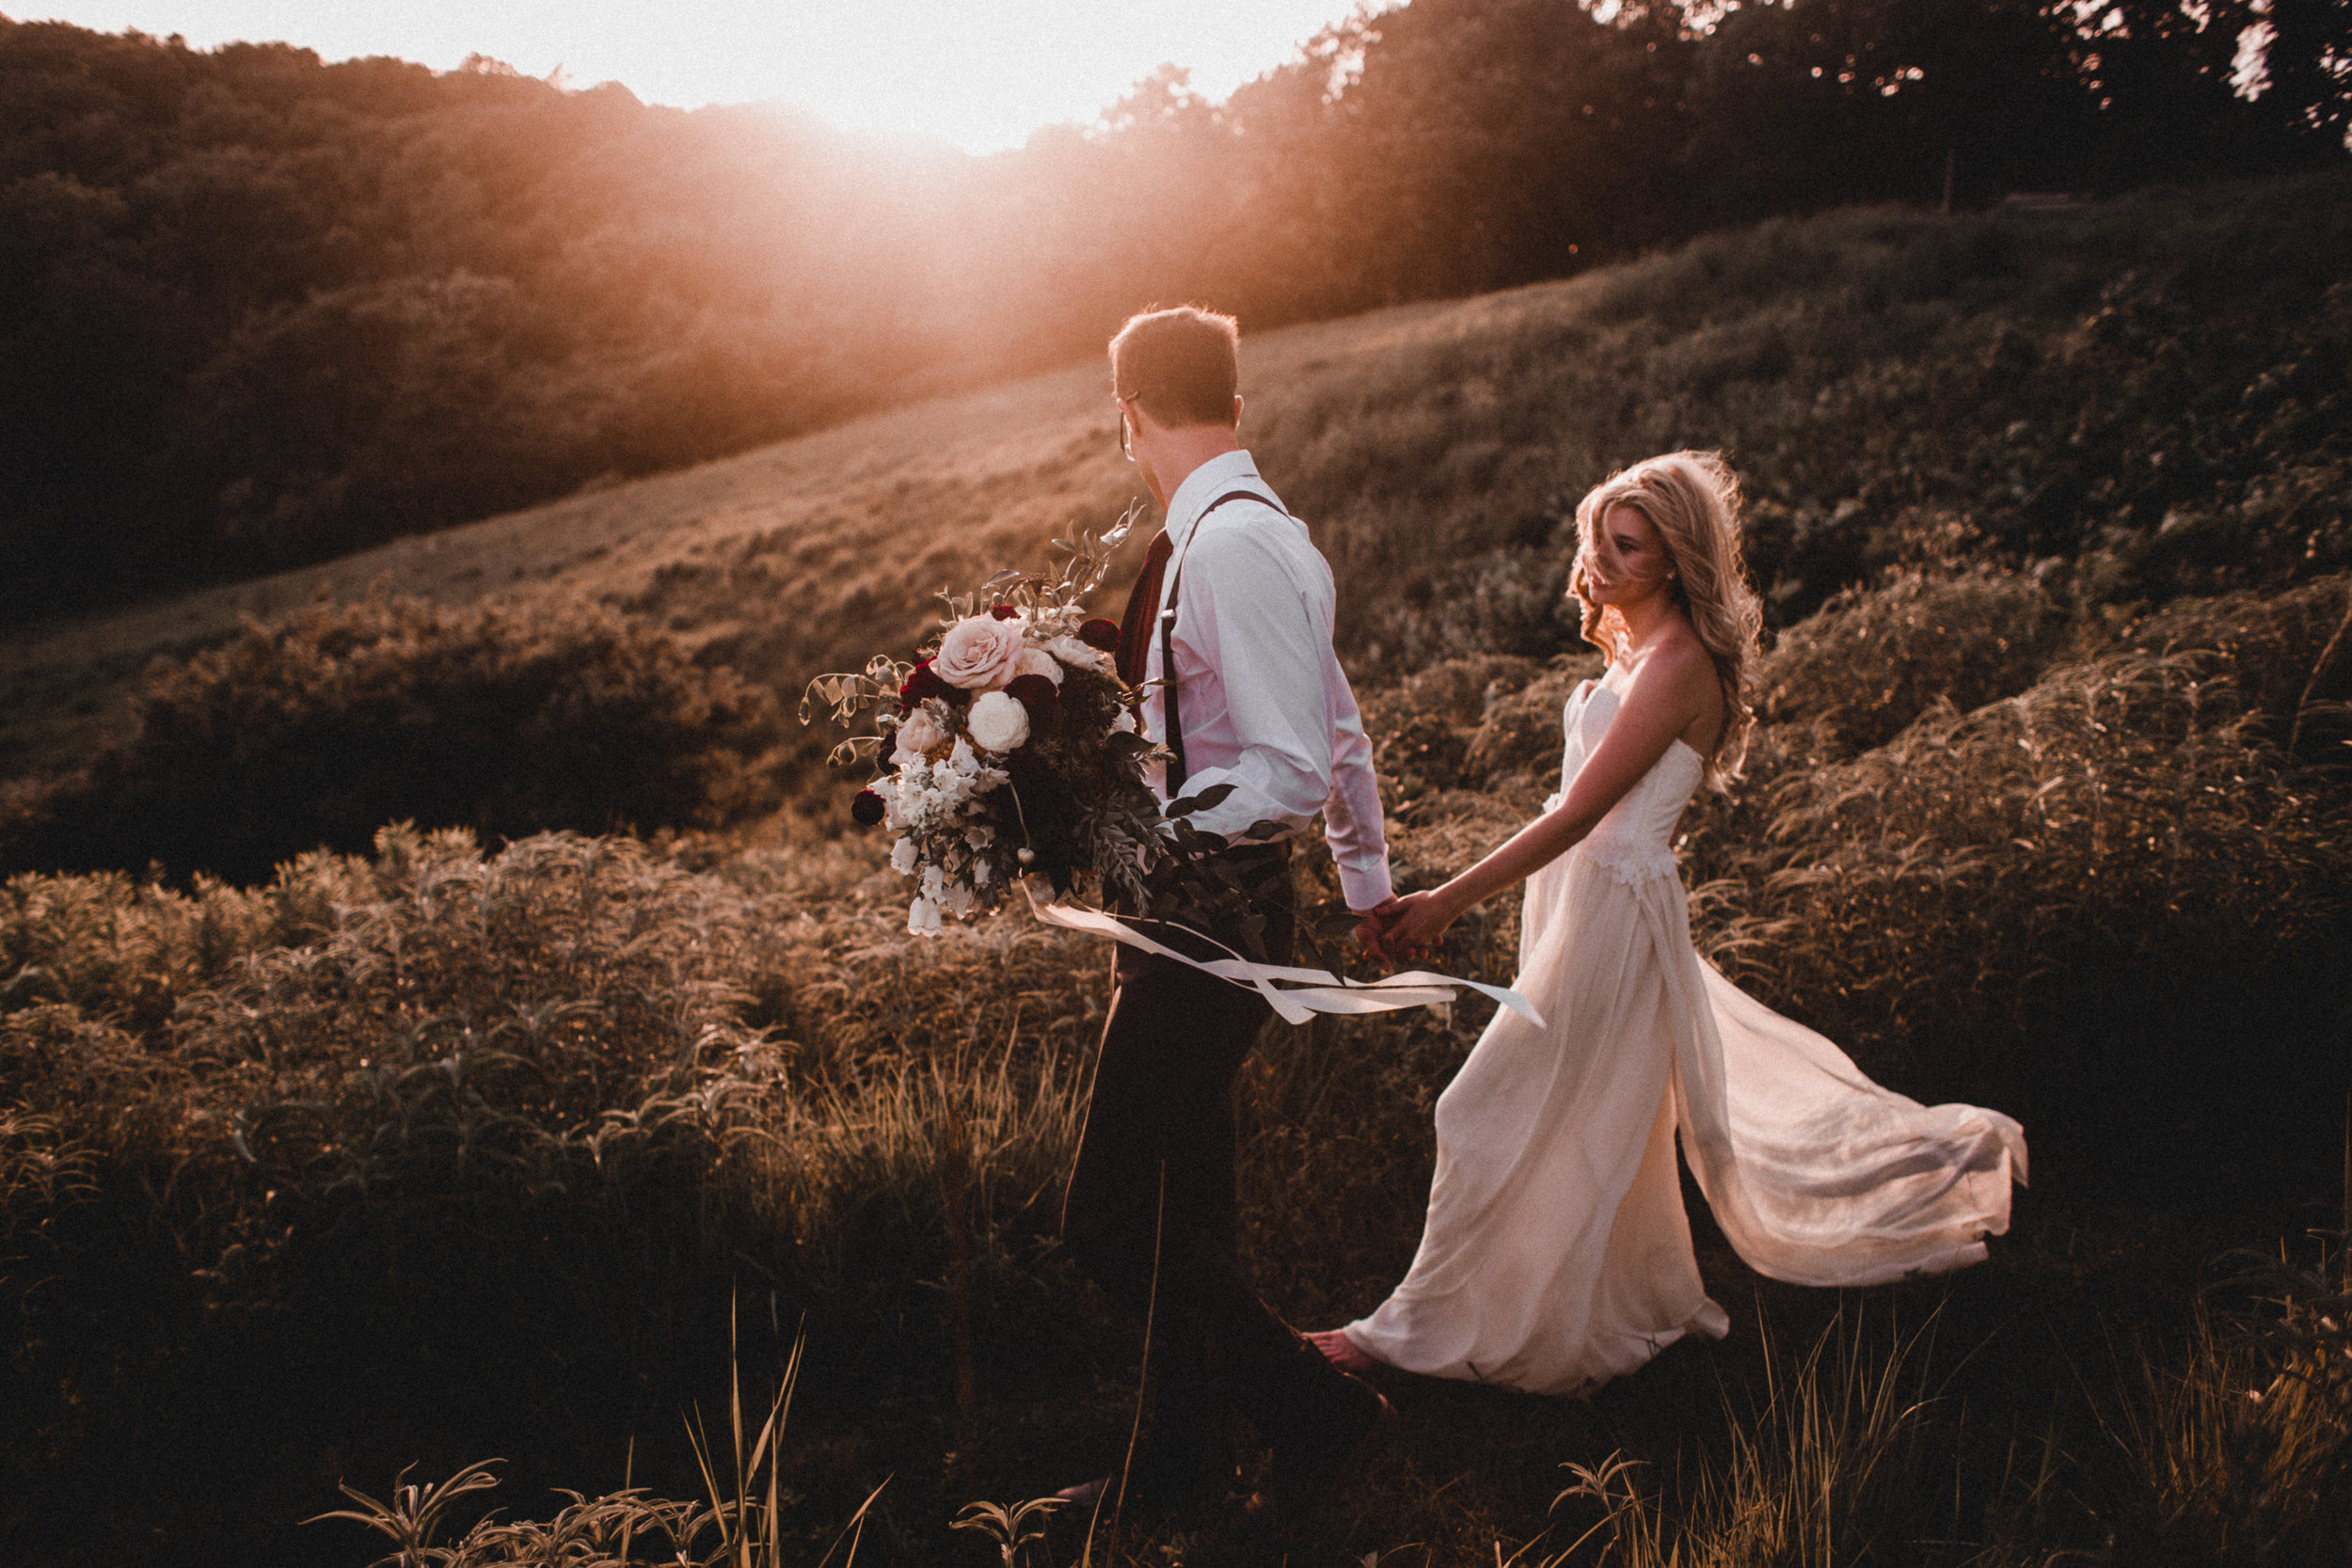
(917, 733)
(978, 653)
(1081, 656)
(1037, 661)
(999, 723)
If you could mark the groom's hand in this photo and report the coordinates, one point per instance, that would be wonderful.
(1372, 929)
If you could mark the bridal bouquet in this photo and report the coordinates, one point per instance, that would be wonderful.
(1010, 745)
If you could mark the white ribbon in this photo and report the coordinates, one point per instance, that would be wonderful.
(1304, 991)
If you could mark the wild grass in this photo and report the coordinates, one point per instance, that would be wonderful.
(1831, 1469)
(606, 1082)
(443, 1150)
(739, 1524)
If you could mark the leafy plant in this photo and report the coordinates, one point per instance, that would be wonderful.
(317, 730)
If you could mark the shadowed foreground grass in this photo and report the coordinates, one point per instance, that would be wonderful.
(556, 1152)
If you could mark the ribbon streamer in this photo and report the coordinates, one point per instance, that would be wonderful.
(1304, 991)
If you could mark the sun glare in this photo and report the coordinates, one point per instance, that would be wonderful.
(981, 76)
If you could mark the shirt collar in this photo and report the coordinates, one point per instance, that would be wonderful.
(1220, 475)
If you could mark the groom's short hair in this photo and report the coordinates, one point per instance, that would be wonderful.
(1182, 366)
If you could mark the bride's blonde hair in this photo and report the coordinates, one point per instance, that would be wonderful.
(1692, 499)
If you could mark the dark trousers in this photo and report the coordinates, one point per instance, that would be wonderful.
(1149, 1216)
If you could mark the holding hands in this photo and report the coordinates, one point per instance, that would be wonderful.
(1404, 928)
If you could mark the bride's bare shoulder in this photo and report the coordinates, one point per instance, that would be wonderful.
(1676, 661)
(1678, 672)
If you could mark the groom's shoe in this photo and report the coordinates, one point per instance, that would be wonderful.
(1307, 1469)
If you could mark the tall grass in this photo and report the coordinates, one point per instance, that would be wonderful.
(324, 1141)
(739, 1524)
(1832, 1469)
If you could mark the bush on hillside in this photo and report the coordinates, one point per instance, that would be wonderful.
(2289, 654)
(1422, 728)
(317, 730)
(2116, 858)
(1874, 660)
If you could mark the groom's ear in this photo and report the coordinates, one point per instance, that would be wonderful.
(1236, 410)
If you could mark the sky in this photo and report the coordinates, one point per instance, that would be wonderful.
(979, 74)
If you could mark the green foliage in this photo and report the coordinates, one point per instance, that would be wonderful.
(543, 1074)
(320, 728)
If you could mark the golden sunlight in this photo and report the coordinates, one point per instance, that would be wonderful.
(983, 77)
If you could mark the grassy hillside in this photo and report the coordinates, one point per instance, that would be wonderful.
(435, 1152)
(2148, 391)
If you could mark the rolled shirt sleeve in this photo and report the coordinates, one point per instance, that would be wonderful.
(1266, 707)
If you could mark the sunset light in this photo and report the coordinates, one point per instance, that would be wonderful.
(979, 77)
(1112, 784)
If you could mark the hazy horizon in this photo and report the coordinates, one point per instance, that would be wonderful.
(982, 78)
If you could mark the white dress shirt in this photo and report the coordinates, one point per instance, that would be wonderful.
(1266, 707)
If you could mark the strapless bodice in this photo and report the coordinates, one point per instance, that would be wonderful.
(1635, 840)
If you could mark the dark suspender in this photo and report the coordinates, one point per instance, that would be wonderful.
(1170, 708)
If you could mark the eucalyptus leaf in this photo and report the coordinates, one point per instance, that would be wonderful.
(1334, 924)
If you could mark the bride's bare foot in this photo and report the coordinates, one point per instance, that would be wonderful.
(1341, 1351)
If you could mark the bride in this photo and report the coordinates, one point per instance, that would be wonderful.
(1556, 1252)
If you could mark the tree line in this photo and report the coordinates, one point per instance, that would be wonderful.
(256, 309)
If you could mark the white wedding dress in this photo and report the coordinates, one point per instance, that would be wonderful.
(1556, 1252)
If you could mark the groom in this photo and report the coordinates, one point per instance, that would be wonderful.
(1254, 699)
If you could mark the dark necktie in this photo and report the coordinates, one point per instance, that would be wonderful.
(1143, 604)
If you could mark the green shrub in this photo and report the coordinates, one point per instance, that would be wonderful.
(319, 730)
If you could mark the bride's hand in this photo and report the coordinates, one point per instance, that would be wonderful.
(1414, 925)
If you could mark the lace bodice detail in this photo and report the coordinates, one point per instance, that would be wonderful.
(1635, 841)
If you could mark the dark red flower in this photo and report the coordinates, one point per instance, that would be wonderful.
(868, 808)
(1100, 633)
(1002, 611)
(925, 682)
(1036, 693)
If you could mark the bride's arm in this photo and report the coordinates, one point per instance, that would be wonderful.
(1674, 688)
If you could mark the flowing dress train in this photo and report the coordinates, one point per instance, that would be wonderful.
(1556, 1253)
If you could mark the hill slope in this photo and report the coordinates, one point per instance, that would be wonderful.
(2152, 390)
(2012, 832)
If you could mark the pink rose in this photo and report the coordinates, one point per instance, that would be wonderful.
(917, 734)
(978, 653)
